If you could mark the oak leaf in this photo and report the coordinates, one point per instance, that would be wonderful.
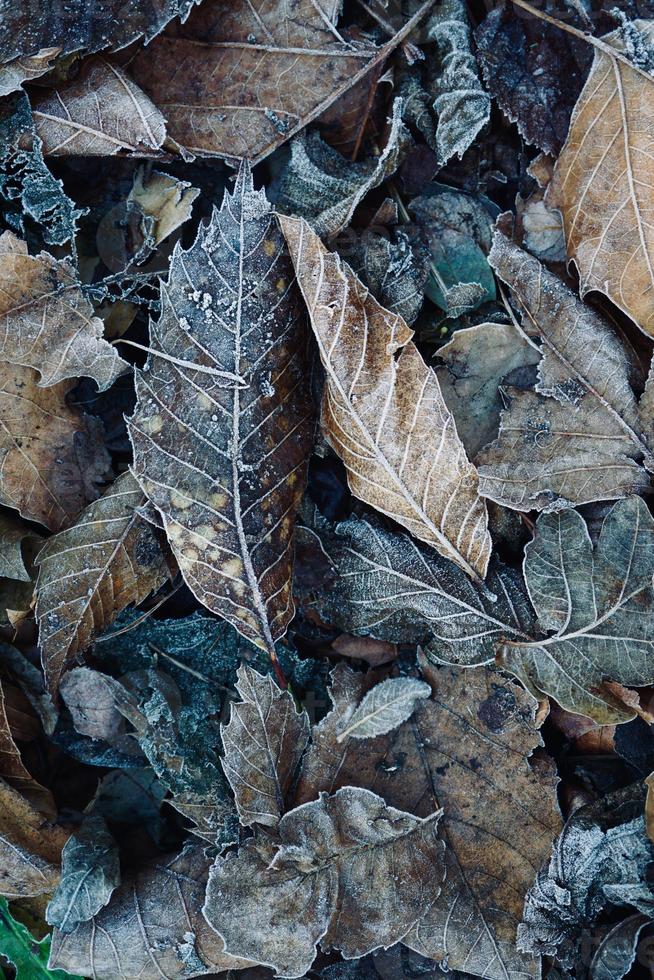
(110, 557)
(223, 424)
(603, 179)
(383, 411)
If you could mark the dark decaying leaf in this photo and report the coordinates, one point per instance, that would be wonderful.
(395, 269)
(383, 412)
(617, 951)
(347, 871)
(90, 871)
(90, 572)
(18, 543)
(14, 771)
(153, 927)
(500, 815)
(223, 424)
(263, 742)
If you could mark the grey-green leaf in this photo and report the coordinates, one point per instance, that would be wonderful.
(385, 707)
(89, 873)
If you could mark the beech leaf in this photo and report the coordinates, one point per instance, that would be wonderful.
(348, 871)
(384, 414)
(385, 707)
(263, 742)
(223, 424)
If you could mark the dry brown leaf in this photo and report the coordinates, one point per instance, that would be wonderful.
(13, 770)
(383, 411)
(30, 846)
(52, 457)
(466, 749)
(264, 742)
(152, 928)
(604, 179)
(237, 81)
(166, 202)
(90, 572)
(47, 323)
(373, 652)
(100, 113)
(223, 424)
(19, 70)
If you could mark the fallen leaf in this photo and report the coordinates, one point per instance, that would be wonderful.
(15, 72)
(152, 927)
(500, 816)
(14, 771)
(48, 324)
(18, 543)
(385, 707)
(92, 707)
(30, 846)
(601, 181)
(110, 557)
(166, 203)
(263, 743)
(239, 82)
(616, 953)
(90, 871)
(373, 652)
(27, 954)
(580, 436)
(385, 415)
(347, 871)
(223, 425)
(595, 603)
(99, 113)
(395, 269)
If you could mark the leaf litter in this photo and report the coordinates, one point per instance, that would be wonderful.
(326, 448)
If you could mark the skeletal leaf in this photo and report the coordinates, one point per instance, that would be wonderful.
(322, 186)
(600, 857)
(599, 601)
(47, 323)
(238, 82)
(385, 707)
(603, 179)
(151, 928)
(579, 437)
(26, 185)
(90, 872)
(465, 749)
(263, 742)
(478, 360)
(223, 424)
(384, 414)
(91, 571)
(99, 113)
(53, 456)
(347, 871)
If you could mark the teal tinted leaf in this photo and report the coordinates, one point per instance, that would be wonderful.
(90, 871)
(28, 956)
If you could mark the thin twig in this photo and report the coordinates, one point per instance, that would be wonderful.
(141, 619)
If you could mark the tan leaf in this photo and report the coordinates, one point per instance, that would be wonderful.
(13, 770)
(19, 70)
(152, 928)
(604, 179)
(237, 81)
(466, 749)
(165, 202)
(14, 538)
(47, 322)
(223, 424)
(383, 411)
(264, 742)
(30, 846)
(579, 437)
(52, 456)
(100, 113)
(90, 572)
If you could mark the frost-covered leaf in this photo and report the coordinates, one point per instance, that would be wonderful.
(617, 951)
(26, 184)
(14, 771)
(165, 202)
(110, 557)
(598, 604)
(466, 749)
(153, 927)
(263, 742)
(15, 539)
(46, 321)
(321, 185)
(462, 104)
(27, 954)
(254, 74)
(99, 113)
(223, 424)
(599, 859)
(90, 871)
(347, 871)
(395, 269)
(383, 411)
(30, 846)
(603, 181)
(395, 588)
(385, 707)
(478, 361)
(535, 71)
(93, 710)
(579, 437)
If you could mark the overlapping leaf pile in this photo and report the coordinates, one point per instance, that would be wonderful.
(326, 455)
